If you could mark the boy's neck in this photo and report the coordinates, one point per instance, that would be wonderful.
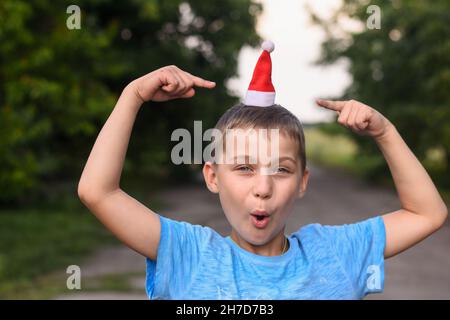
(275, 247)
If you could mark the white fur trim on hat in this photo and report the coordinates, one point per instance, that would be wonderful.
(259, 98)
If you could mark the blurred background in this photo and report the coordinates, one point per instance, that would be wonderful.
(58, 84)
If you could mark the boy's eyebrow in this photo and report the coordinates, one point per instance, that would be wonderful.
(247, 159)
(287, 158)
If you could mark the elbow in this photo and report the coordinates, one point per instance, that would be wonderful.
(83, 192)
(441, 217)
(87, 194)
(444, 215)
(91, 194)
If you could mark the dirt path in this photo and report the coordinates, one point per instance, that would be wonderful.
(422, 272)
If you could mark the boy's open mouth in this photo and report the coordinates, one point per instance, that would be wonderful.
(260, 221)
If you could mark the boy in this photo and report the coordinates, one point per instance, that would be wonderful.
(257, 261)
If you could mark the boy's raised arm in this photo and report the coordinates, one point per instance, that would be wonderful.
(423, 210)
(133, 223)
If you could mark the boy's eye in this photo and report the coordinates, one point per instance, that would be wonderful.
(283, 170)
(244, 169)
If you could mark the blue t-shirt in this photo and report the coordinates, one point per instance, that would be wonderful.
(323, 262)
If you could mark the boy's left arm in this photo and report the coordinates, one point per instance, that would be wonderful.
(422, 209)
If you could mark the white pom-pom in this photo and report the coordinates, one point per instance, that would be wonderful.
(268, 45)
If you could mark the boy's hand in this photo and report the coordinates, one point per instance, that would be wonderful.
(358, 117)
(168, 83)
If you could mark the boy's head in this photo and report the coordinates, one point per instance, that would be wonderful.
(243, 187)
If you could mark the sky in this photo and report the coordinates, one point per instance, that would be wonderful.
(297, 81)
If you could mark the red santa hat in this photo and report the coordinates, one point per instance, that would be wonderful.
(261, 92)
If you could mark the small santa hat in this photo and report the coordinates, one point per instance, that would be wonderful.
(261, 92)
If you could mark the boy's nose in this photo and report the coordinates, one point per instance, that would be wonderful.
(263, 186)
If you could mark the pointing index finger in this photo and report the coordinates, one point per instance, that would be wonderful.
(199, 82)
(332, 105)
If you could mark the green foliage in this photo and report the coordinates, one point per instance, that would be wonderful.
(57, 86)
(402, 70)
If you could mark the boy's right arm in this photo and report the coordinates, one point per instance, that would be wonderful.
(132, 222)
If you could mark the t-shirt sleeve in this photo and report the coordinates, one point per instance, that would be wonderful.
(359, 247)
(179, 251)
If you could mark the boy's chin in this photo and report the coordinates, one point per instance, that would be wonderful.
(257, 237)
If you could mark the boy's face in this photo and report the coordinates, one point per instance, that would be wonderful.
(246, 189)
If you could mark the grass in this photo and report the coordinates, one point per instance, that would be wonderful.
(328, 150)
(38, 244)
(35, 242)
(336, 151)
(51, 285)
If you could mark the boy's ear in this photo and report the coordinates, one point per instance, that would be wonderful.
(209, 173)
(304, 183)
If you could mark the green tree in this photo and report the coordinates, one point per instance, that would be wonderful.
(57, 86)
(401, 69)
